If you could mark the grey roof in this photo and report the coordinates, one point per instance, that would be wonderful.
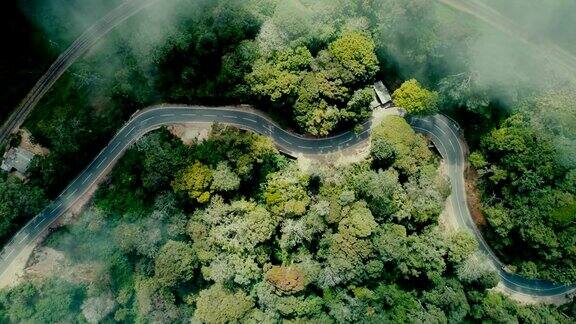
(382, 93)
(16, 159)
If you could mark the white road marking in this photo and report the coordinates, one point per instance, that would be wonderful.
(208, 115)
(9, 254)
(228, 116)
(189, 115)
(130, 132)
(167, 115)
(304, 147)
(147, 119)
(39, 223)
(87, 178)
(56, 208)
(99, 164)
(71, 194)
(24, 238)
(248, 119)
(448, 137)
(282, 138)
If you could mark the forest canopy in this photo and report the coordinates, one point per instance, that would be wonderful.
(232, 225)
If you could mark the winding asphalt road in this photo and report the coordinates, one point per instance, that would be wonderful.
(443, 132)
(80, 46)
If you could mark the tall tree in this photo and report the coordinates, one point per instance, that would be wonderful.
(416, 99)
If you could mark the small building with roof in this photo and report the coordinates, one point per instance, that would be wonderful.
(16, 159)
(383, 95)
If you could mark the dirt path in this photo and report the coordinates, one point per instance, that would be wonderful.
(15, 272)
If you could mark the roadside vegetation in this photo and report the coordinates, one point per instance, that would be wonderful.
(528, 177)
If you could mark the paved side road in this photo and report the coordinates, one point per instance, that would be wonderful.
(445, 134)
(90, 37)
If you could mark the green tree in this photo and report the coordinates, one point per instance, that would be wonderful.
(285, 193)
(380, 190)
(236, 228)
(162, 154)
(235, 66)
(278, 76)
(175, 263)
(345, 256)
(416, 99)
(153, 303)
(462, 90)
(497, 308)
(129, 238)
(410, 148)
(461, 245)
(317, 118)
(287, 306)
(382, 152)
(313, 112)
(413, 255)
(47, 301)
(402, 306)
(354, 56)
(219, 305)
(224, 179)
(477, 160)
(18, 203)
(358, 108)
(358, 222)
(227, 268)
(451, 298)
(424, 196)
(195, 180)
(477, 269)
(317, 89)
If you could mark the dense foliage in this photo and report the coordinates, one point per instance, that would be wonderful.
(532, 209)
(322, 91)
(18, 203)
(415, 99)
